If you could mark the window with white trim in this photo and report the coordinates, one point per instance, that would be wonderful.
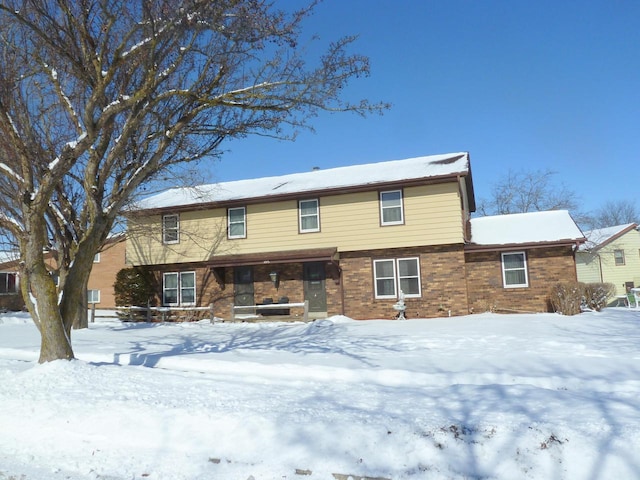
(237, 222)
(96, 258)
(179, 288)
(170, 228)
(8, 282)
(309, 213)
(514, 270)
(409, 276)
(93, 296)
(391, 212)
(397, 274)
(618, 255)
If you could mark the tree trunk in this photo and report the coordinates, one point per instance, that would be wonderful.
(56, 344)
(41, 294)
(81, 317)
(73, 306)
(55, 340)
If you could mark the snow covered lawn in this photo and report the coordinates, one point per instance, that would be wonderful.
(477, 397)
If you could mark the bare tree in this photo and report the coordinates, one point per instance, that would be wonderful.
(528, 191)
(614, 213)
(100, 97)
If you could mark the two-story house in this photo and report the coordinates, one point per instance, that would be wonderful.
(100, 292)
(611, 255)
(349, 240)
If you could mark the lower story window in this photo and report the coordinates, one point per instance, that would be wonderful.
(179, 288)
(8, 282)
(93, 296)
(397, 274)
(514, 270)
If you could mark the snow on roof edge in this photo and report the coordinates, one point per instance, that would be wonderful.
(391, 171)
(550, 226)
(599, 237)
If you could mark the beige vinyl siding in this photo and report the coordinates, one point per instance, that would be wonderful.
(350, 222)
(630, 271)
(588, 267)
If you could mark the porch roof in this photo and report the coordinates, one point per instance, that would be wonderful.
(287, 256)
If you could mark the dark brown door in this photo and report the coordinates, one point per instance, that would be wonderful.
(314, 286)
(243, 286)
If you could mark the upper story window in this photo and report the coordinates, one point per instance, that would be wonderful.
(237, 222)
(391, 212)
(170, 228)
(8, 282)
(309, 213)
(618, 255)
(394, 275)
(514, 270)
(96, 258)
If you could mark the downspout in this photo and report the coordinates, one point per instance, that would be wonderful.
(341, 288)
(600, 267)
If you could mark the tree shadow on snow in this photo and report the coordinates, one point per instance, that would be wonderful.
(298, 339)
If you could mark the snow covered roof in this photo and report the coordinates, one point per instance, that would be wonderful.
(525, 228)
(426, 167)
(8, 257)
(600, 236)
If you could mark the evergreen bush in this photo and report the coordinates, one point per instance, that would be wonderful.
(134, 286)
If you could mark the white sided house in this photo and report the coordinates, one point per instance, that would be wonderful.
(350, 240)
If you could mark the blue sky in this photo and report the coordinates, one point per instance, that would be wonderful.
(521, 85)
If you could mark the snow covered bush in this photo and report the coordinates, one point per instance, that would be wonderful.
(597, 295)
(566, 297)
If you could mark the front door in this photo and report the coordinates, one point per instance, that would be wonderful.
(314, 286)
(243, 286)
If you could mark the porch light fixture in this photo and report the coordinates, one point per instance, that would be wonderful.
(275, 278)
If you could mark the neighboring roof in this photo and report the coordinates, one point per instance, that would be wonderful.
(8, 258)
(599, 237)
(524, 229)
(396, 171)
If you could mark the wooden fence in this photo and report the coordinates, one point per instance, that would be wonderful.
(190, 314)
(159, 314)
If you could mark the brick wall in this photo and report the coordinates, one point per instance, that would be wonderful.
(452, 282)
(103, 273)
(545, 267)
(11, 301)
(441, 276)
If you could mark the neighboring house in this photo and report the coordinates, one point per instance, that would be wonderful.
(10, 296)
(106, 264)
(100, 290)
(347, 239)
(512, 260)
(611, 255)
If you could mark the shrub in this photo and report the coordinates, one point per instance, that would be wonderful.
(134, 286)
(597, 295)
(566, 297)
